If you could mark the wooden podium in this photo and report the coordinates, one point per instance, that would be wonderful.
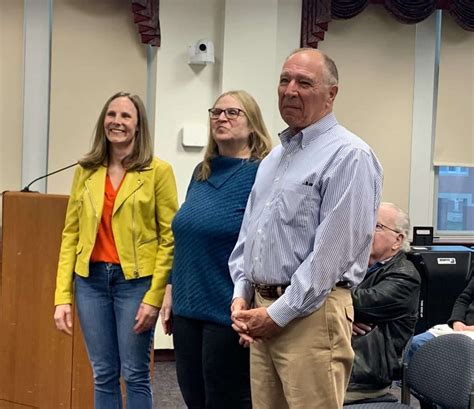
(40, 367)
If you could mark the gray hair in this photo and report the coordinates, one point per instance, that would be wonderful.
(402, 224)
(331, 75)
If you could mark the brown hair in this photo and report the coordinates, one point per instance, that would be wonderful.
(142, 153)
(259, 139)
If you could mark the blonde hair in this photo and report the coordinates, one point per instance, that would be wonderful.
(259, 139)
(142, 153)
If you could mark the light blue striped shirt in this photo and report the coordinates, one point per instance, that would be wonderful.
(309, 219)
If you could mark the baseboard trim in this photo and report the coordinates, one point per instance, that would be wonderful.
(164, 355)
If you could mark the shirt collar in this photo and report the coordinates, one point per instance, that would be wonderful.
(308, 134)
(378, 264)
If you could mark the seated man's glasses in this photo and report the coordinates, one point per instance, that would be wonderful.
(381, 227)
(230, 113)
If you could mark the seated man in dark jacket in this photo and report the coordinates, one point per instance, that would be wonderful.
(386, 308)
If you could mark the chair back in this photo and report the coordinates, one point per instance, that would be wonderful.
(442, 371)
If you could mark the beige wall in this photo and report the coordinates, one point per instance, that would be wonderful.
(11, 94)
(369, 97)
(92, 58)
(95, 52)
(375, 57)
(184, 92)
(455, 115)
(374, 53)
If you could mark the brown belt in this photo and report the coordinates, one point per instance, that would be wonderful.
(270, 291)
(276, 291)
(343, 284)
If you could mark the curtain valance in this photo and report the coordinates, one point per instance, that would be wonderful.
(317, 14)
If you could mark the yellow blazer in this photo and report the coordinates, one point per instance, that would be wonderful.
(141, 223)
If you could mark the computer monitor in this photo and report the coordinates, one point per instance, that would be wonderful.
(445, 272)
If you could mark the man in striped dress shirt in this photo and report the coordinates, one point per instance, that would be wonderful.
(305, 240)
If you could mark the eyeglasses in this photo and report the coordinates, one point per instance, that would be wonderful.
(380, 227)
(230, 113)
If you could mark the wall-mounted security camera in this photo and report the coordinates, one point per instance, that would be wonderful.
(201, 53)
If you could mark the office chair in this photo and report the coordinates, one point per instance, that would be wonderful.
(440, 373)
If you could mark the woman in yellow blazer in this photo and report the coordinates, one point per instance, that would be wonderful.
(117, 249)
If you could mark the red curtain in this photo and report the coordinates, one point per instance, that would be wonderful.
(316, 14)
(146, 17)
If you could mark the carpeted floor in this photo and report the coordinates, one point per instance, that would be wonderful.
(168, 396)
(166, 391)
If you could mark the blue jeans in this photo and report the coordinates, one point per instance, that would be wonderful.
(213, 369)
(107, 305)
(416, 342)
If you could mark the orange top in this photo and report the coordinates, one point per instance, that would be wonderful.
(104, 248)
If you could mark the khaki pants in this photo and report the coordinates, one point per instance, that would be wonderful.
(308, 364)
(354, 396)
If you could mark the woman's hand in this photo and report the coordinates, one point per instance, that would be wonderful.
(63, 318)
(167, 311)
(146, 318)
(460, 326)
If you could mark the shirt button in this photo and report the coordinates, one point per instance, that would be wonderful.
(277, 179)
(256, 258)
(259, 231)
(268, 204)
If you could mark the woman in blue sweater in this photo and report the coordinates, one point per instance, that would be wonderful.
(212, 368)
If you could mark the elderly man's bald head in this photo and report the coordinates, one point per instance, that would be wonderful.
(331, 74)
(391, 233)
(307, 88)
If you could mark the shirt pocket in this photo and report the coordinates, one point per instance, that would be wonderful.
(298, 205)
(349, 309)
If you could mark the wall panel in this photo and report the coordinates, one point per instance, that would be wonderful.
(11, 94)
(375, 57)
(95, 52)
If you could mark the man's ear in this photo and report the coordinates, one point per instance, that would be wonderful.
(333, 92)
(399, 242)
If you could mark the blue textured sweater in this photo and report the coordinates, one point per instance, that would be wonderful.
(205, 230)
